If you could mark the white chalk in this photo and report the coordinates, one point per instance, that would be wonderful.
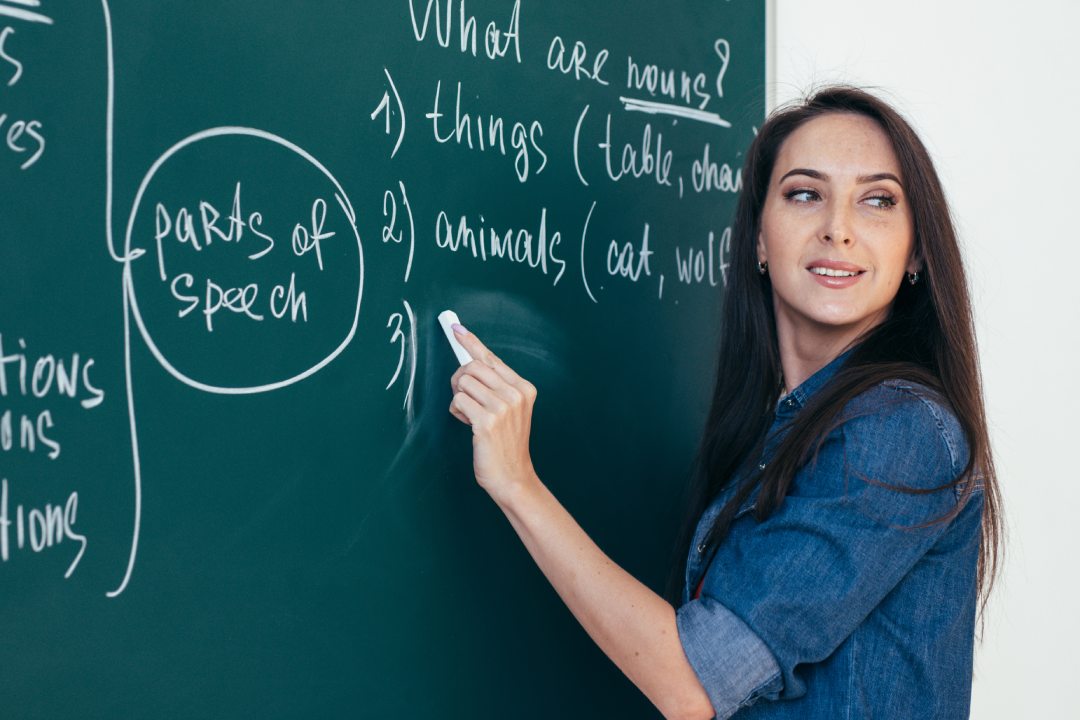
(446, 319)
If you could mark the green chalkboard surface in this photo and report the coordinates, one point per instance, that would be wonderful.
(231, 486)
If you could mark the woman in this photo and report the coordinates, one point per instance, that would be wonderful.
(845, 519)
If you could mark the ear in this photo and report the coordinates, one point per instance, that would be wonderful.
(761, 256)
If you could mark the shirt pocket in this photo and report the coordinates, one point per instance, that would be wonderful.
(700, 565)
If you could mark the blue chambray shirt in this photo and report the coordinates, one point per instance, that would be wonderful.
(834, 606)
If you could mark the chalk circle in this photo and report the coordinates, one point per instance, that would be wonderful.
(131, 255)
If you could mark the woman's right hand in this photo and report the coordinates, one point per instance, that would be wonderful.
(497, 403)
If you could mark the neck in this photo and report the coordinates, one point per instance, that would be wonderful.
(803, 352)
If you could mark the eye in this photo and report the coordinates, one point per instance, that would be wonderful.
(802, 195)
(883, 201)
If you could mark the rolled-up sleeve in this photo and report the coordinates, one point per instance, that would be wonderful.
(788, 590)
(734, 665)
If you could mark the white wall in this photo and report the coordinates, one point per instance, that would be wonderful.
(992, 87)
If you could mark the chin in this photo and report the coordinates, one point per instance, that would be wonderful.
(839, 317)
(848, 319)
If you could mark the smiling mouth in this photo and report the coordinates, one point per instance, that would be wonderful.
(829, 272)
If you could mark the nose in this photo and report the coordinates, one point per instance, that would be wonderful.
(837, 225)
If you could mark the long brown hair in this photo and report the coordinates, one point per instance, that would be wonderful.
(929, 337)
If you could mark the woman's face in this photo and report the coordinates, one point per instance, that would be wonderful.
(836, 229)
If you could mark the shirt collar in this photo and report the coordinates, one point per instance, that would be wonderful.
(797, 398)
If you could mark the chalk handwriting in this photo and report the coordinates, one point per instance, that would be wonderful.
(696, 266)
(517, 245)
(576, 62)
(496, 41)
(407, 348)
(687, 87)
(23, 374)
(640, 160)
(305, 240)
(31, 431)
(38, 529)
(706, 175)
(203, 230)
(5, 55)
(489, 134)
(652, 107)
(390, 232)
(584, 241)
(213, 298)
(20, 136)
(722, 48)
(48, 376)
(628, 261)
(384, 107)
(184, 228)
(577, 145)
(288, 301)
(23, 136)
(21, 14)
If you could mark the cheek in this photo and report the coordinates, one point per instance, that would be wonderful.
(899, 256)
(902, 237)
(767, 229)
(777, 236)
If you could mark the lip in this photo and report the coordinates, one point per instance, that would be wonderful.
(836, 282)
(835, 265)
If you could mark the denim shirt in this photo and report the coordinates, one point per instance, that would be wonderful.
(837, 605)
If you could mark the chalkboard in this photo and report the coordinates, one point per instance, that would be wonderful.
(231, 486)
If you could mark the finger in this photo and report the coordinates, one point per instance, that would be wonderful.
(467, 407)
(477, 368)
(480, 352)
(477, 390)
(489, 377)
(469, 341)
(458, 414)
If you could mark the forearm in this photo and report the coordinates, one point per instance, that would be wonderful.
(633, 625)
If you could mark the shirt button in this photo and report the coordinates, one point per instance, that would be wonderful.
(761, 466)
(790, 402)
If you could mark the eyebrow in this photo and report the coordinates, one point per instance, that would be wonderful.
(861, 180)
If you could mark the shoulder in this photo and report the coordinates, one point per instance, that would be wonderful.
(906, 431)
